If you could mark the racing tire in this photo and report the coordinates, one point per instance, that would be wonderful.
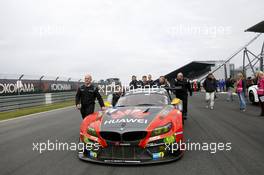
(251, 97)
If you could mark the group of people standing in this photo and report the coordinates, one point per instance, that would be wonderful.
(238, 86)
(146, 81)
(180, 86)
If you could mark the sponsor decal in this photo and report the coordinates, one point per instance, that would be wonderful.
(10, 88)
(128, 120)
(158, 155)
(25, 86)
(60, 87)
(93, 154)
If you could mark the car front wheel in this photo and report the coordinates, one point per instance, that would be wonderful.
(251, 97)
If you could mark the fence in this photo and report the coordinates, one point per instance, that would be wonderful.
(14, 102)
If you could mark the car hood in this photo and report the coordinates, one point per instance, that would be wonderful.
(126, 119)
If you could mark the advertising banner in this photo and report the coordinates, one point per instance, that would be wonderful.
(15, 87)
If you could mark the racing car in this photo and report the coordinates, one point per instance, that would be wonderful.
(143, 128)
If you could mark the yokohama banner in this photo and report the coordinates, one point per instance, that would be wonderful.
(15, 87)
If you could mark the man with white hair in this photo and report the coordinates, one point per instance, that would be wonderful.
(85, 97)
(182, 86)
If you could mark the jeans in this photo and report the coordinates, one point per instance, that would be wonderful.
(242, 101)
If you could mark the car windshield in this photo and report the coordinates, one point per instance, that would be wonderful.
(143, 100)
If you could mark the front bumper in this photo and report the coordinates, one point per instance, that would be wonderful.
(130, 155)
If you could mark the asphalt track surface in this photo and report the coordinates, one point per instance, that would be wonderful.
(224, 124)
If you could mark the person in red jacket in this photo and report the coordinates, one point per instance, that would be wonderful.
(260, 91)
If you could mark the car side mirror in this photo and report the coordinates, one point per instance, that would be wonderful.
(108, 102)
(175, 101)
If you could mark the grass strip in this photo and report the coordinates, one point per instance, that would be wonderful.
(32, 110)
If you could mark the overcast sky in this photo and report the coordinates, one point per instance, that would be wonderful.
(118, 38)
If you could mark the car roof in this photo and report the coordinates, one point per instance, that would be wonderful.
(160, 91)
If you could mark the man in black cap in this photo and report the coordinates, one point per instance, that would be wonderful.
(85, 97)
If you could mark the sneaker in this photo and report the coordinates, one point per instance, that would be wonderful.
(243, 110)
(211, 107)
(207, 107)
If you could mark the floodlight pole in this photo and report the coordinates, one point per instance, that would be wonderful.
(19, 80)
(21, 76)
(41, 77)
(56, 79)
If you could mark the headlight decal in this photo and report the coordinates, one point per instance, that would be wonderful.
(161, 130)
(91, 131)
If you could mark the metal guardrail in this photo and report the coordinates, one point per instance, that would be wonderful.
(8, 103)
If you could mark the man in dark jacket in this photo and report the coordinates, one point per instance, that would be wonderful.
(210, 86)
(150, 81)
(182, 87)
(230, 88)
(85, 97)
(163, 82)
(116, 97)
(144, 82)
(134, 83)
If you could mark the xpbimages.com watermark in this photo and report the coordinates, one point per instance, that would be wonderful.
(81, 147)
(212, 147)
(113, 88)
(64, 146)
(202, 30)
